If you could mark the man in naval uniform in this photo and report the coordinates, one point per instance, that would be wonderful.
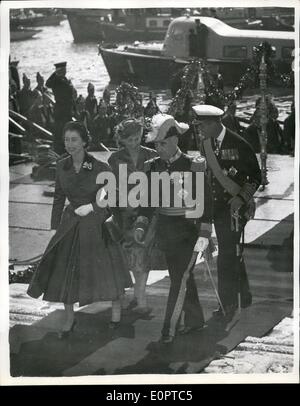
(235, 176)
(179, 236)
(63, 92)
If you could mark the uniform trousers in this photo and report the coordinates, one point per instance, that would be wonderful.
(178, 253)
(232, 274)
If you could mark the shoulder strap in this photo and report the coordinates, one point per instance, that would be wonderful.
(228, 184)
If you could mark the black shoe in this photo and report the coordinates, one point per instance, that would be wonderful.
(166, 339)
(190, 329)
(63, 334)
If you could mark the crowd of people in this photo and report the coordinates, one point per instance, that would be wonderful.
(53, 103)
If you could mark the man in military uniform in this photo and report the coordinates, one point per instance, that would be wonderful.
(179, 235)
(63, 92)
(235, 176)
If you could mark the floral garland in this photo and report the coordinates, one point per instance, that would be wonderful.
(215, 95)
(128, 101)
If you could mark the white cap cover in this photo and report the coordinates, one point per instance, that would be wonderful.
(207, 110)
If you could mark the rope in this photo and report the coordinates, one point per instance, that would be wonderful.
(21, 202)
(28, 261)
(31, 228)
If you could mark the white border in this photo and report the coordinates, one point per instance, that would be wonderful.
(5, 378)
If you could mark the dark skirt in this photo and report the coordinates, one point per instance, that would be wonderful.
(79, 265)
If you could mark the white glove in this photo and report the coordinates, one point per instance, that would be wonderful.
(84, 210)
(201, 244)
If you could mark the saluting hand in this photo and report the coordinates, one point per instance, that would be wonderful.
(84, 210)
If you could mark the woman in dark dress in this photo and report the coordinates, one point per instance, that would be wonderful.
(79, 265)
(134, 155)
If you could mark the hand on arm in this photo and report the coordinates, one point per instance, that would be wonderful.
(84, 210)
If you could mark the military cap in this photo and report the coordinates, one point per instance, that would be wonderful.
(60, 65)
(204, 111)
(160, 126)
(90, 86)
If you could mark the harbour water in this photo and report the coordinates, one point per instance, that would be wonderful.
(55, 44)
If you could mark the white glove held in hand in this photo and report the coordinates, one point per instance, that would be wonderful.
(201, 244)
(84, 210)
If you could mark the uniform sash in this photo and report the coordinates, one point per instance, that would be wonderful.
(228, 184)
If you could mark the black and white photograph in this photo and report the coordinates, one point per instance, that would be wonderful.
(149, 192)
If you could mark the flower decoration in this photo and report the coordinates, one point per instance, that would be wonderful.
(87, 165)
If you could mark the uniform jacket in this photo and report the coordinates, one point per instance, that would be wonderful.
(238, 161)
(63, 92)
(178, 227)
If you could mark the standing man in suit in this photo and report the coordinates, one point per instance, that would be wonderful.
(235, 176)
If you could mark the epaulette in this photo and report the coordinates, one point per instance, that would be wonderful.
(148, 164)
(198, 164)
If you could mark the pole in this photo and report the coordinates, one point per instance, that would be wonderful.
(214, 286)
(263, 136)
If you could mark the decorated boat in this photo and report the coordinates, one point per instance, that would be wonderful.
(225, 49)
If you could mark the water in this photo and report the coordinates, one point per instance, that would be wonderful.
(55, 44)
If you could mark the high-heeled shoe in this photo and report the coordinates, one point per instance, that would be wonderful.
(63, 334)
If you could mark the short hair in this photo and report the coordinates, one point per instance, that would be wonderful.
(128, 127)
(79, 127)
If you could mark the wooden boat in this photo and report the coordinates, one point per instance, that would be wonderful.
(21, 33)
(119, 25)
(36, 20)
(227, 50)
